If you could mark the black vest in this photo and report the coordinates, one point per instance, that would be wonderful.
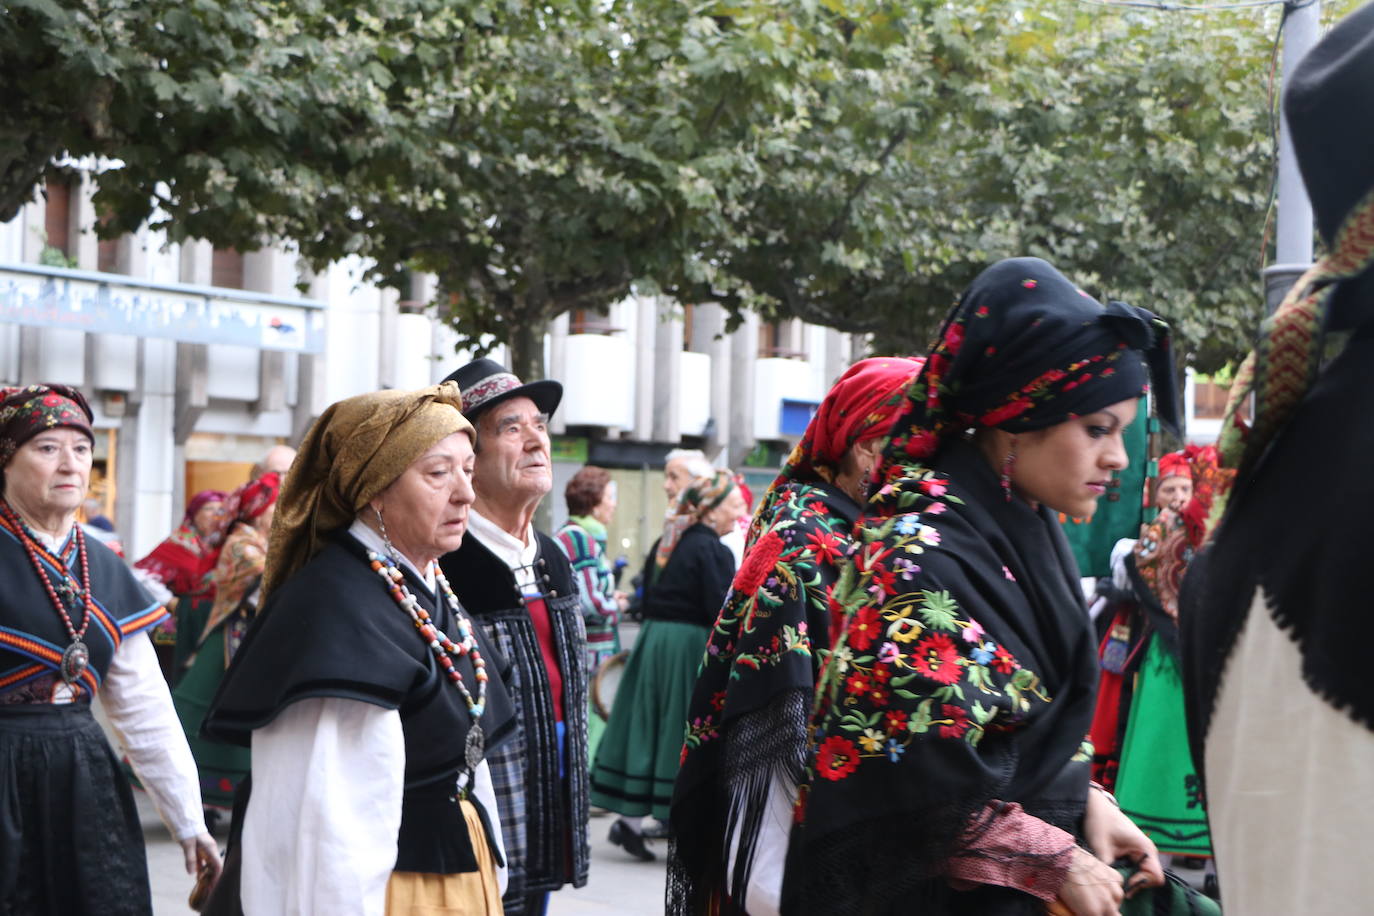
(333, 630)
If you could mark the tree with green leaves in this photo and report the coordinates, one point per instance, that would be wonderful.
(850, 162)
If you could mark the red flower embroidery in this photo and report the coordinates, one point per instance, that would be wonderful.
(1006, 412)
(933, 487)
(876, 694)
(922, 444)
(896, 721)
(864, 628)
(758, 563)
(718, 700)
(1004, 662)
(825, 546)
(856, 684)
(836, 758)
(937, 658)
(954, 338)
(958, 724)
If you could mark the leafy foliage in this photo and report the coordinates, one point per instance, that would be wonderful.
(850, 162)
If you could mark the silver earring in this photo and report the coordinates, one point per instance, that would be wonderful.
(386, 541)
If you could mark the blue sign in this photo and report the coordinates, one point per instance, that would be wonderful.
(795, 415)
(101, 303)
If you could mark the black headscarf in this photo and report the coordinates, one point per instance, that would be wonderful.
(965, 670)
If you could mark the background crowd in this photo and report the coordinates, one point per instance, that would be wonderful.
(883, 689)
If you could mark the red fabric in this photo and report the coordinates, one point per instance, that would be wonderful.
(861, 406)
(543, 630)
(999, 853)
(1174, 464)
(176, 566)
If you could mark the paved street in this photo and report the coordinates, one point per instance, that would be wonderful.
(618, 883)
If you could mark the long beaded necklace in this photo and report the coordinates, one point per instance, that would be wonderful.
(444, 649)
(77, 656)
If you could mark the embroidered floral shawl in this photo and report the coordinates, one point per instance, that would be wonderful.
(965, 668)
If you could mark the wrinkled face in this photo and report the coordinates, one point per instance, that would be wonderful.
(1068, 466)
(676, 475)
(604, 511)
(513, 466)
(426, 509)
(723, 518)
(1173, 492)
(204, 519)
(48, 475)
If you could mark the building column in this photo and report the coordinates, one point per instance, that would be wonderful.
(147, 468)
(646, 320)
(558, 363)
(744, 351)
(667, 358)
(708, 336)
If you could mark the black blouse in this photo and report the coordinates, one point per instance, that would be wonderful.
(693, 584)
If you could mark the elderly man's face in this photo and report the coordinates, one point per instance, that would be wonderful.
(676, 475)
(513, 466)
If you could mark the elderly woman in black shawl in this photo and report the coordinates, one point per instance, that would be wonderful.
(369, 696)
(950, 772)
(746, 726)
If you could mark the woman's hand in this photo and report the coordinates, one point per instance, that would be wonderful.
(201, 853)
(1112, 835)
(1091, 888)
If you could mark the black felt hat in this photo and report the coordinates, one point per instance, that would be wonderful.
(1329, 106)
(486, 383)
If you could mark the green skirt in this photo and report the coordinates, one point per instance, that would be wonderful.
(638, 757)
(1156, 785)
(222, 766)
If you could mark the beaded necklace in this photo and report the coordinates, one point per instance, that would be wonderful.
(444, 649)
(77, 656)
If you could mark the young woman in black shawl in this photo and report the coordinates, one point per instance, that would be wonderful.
(950, 772)
(746, 725)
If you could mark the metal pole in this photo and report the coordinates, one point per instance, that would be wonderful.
(1294, 235)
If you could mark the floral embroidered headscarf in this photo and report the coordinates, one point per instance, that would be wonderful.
(1018, 317)
(25, 412)
(696, 499)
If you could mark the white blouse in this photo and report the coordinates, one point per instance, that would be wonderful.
(320, 833)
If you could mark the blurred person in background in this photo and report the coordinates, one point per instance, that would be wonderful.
(591, 499)
(245, 521)
(73, 620)
(177, 567)
(638, 758)
(746, 725)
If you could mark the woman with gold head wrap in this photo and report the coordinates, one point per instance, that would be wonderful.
(368, 696)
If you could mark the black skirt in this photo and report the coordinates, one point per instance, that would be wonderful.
(70, 839)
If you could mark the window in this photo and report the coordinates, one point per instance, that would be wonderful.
(586, 321)
(58, 216)
(781, 340)
(226, 268)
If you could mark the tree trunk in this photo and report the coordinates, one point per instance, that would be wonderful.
(526, 345)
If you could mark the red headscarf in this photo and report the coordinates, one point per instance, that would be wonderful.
(862, 405)
(1174, 464)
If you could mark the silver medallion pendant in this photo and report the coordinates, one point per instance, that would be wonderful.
(474, 747)
(74, 661)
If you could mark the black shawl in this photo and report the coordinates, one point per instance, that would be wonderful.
(1295, 531)
(690, 587)
(746, 724)
(32, 635)
(966, 675)
(332, 629)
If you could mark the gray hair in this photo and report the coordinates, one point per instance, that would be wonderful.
(697, 463)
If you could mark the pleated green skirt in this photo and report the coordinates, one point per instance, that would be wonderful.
(637, 759)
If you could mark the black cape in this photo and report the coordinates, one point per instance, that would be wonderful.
(333, 630)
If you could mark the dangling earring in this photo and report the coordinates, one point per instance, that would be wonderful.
(1006, 472)
(386, 541)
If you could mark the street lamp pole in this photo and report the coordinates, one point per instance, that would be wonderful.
(1294, 231)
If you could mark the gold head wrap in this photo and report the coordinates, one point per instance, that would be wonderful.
(352, 453)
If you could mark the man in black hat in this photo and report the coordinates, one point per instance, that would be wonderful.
(517, 584)
(1275, 615)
